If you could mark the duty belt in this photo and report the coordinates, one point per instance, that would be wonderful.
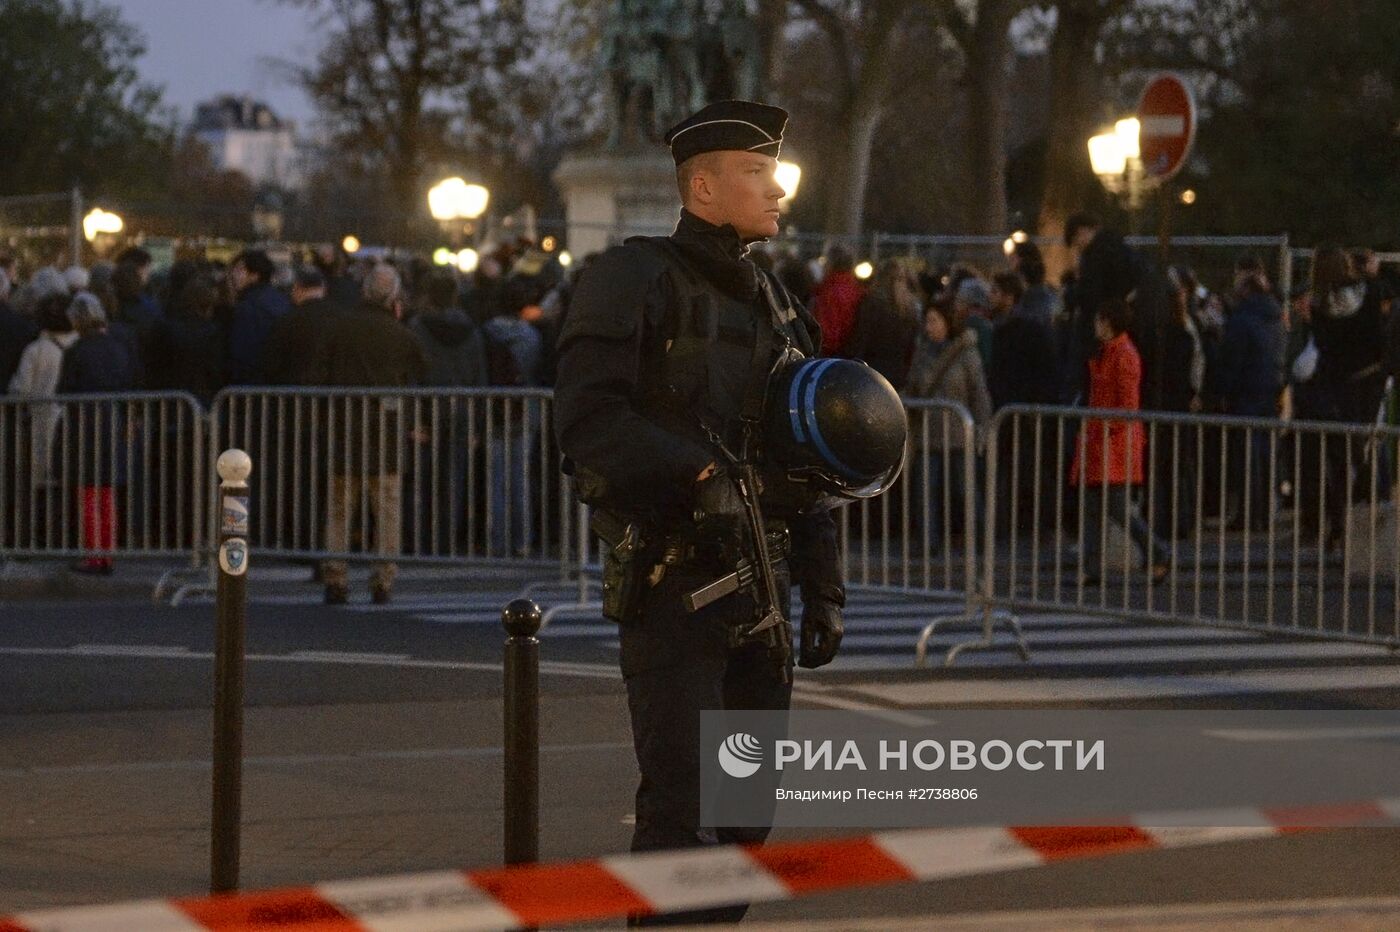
(687, 548)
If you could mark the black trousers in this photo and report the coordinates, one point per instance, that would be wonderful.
(676, 665)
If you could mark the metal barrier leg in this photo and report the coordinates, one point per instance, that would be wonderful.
(207, 587)
(989, 617)
(582, 581)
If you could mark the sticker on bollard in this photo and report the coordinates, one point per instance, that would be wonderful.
(233, 556)
(235, 515)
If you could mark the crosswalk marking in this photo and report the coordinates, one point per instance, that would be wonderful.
(1057, 690)
(1074, 658)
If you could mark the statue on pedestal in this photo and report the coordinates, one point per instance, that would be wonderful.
(665, 59)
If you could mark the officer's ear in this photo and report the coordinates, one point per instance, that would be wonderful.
(695, 178)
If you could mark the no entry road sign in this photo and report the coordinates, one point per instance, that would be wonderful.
(1167, 112)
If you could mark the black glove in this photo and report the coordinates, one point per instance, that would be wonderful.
(717, 499)
(821, 633)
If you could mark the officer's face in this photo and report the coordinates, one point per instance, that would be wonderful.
(745, 192)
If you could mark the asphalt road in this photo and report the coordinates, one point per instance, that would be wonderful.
(373, 747)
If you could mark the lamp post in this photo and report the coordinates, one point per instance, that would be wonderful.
(457, 206)
(1116, 157)
(100, 228)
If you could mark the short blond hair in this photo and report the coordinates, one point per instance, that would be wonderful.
(687, 170)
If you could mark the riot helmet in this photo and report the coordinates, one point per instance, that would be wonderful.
(837, 425)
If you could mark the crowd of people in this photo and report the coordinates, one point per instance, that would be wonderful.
(201, 326)
(1120, 333)
(1114, 332)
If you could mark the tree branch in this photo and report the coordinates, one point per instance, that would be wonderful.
(836, 29)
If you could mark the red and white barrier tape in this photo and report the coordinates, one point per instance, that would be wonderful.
(669, 881)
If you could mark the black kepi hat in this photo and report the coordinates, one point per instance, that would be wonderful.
(728, 125)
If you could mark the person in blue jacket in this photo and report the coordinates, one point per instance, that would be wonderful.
(256, 308)
(1250, 382)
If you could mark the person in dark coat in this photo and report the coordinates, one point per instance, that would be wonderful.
(292, 350)
(1023, 369)
(641, 453)
(16, 332)
(485, 294)
(257, 307)
(367, 347)
(796, 276)
(1040, 302)
(1348, 329)
(456, 358)
(97, 363)
(1106, 270)
(887, 324)
(187, 346)
(135, 318)
(1183, 384)
(341, 291)
(294, 343)
(1251, 381)
(450, 340)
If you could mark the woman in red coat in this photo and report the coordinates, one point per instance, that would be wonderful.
(1109, 455)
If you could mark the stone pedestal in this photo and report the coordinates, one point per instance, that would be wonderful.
(610, 196)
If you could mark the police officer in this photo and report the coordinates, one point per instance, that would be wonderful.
(657, 359)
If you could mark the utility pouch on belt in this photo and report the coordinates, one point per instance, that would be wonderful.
(624, 570)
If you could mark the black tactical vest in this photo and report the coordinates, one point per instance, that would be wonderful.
(709, 345)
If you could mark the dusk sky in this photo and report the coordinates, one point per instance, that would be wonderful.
(199, 48)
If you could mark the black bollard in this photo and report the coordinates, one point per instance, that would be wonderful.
(234, 466)
(521, 619)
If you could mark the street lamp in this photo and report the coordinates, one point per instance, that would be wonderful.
(1008, 245)
(467, 261)
(864, 270)
(457, 205)
(789, 177)
(101, 227)
(99, 222)
(1116, 157)
(351, 244)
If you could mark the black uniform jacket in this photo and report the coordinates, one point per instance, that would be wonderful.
(613, 339)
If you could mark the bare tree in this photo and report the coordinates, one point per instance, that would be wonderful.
(862, 35)
(1076, 85)
(392, 78)
(983, 32)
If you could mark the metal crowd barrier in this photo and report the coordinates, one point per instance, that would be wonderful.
(1250, 523)
(403, 475)
(103, 476)
(921, 537)
(411, 476)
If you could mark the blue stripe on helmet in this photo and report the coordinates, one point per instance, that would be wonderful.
(808, 370)
(810, 416)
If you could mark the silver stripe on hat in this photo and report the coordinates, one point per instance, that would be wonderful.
(708, 122)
